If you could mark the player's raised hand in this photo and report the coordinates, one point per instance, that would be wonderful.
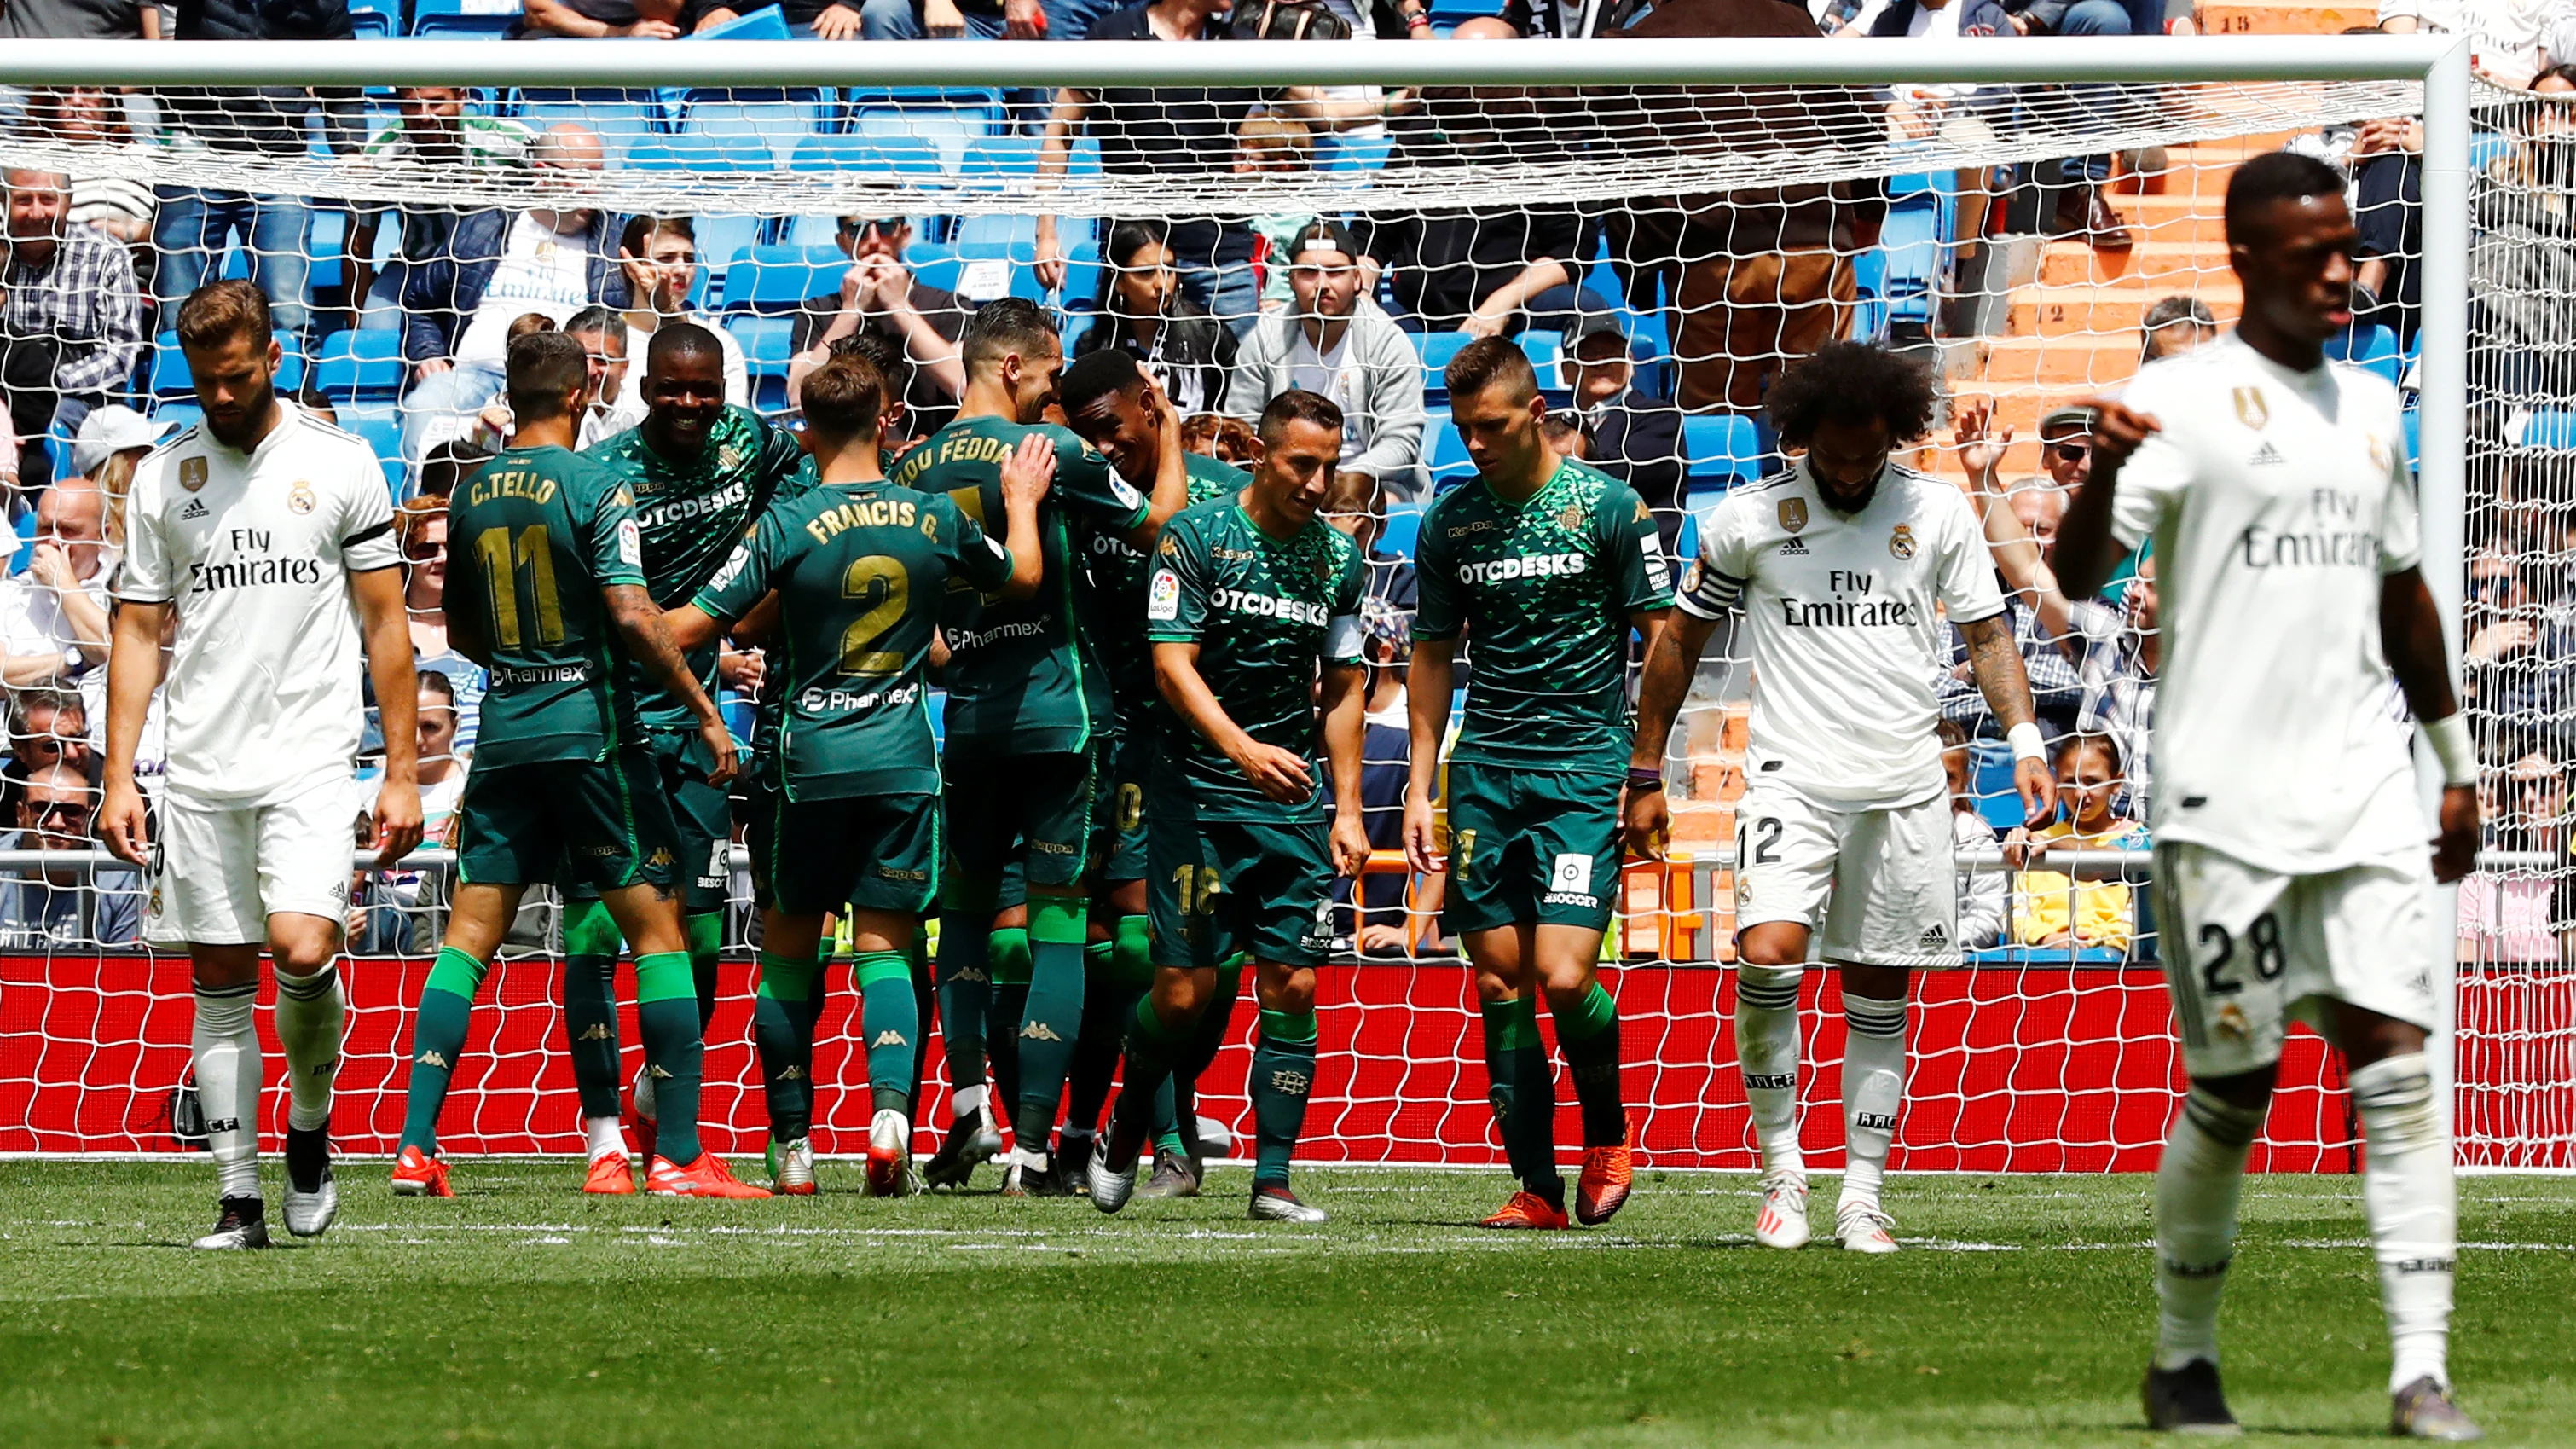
(2038, 790)
(1029, 471)
(397, 821)
(1645, 823)
(1421, 850)
(1350, 846)
(122, 825)
(720, 744)
(1981, 447)
(2455, 849)
(2118, 429)
(1277, 773)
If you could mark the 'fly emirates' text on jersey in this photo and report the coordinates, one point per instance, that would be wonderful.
(253, 552)
(1847, 646)
(2276, 501)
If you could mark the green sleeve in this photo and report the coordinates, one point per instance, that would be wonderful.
(744, 580)
(1085, 483)
(1439, 608)
(1176, 597)
(615, 547)
(973, 555)
(1632, 546)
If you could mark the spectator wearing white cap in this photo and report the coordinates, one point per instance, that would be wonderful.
(1336, 342)
(110, 442)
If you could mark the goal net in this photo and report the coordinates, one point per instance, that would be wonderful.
(1662, 240)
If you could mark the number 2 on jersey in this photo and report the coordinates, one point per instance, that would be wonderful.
(884, 580)
(493, 549)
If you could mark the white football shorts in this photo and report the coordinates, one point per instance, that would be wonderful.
(221, 870)
(1882, 883)
(2247, 950)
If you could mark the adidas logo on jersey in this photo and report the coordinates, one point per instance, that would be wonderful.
(1934, 939)
(889, 1037)
(195, 510)
(1794, 548)
(2265, 456)
(1038, 1031)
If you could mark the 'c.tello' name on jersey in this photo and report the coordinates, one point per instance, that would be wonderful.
(1845, 612)
(1525, 566)
(511, 483)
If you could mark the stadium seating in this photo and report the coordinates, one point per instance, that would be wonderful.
(1403, 529)
(361, 365)
(622, 119)
(768, 344)
(168, 368)
(1922, 222)
(780, 278)
(380, 423)
(375, 19)
(1723, 450)
(896, 155)
(701, 153)
(464, 19)
(2372, 347)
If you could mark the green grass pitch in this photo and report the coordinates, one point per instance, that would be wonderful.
(525, 1313)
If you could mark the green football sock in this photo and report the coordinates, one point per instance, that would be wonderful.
(666, 1007)
(1177, 1094)
(1501, 1020)
(706, 945)
(965, 984)
(591, 947)
(437, 1040)
(1529, 1132)
(1052, 1020)
(925, 1000)
(1283, 1076)
(1131, 952)
(782, 1032)
(1011, 966)
(1106, 1004)
(891, 1022)
(1153, 1045)
(1589, 1037)
(1214, 1026)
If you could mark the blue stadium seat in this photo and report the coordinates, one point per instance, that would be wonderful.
(375, 19)
(724, 237)
(464, 19)
(701, 153)
(901, 156)
(185, 414)
(992, 231)
(1403, 528)
(2413, 422)
(1446, 451)
(358, 366)
(779, 279)
(1991, 777)
(168, 376)
(380, 423)
(2372, 347)
(2555, 431)
(1352, 153)
(622, 119)
(1436, 349)
(1546, 352)
(781, 125)
(1922, 219)
(1723, 450)
(994, 156)
(767, 348)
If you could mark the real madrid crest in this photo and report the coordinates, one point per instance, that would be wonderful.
(1793, 514)
(299, 499)
(192, 473)
(1901, 542)
(2251, 410)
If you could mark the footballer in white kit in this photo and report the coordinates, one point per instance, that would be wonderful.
(268, 534)
(1848, 571)
(2292, 864)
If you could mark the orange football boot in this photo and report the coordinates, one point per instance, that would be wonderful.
(611, 1176)
(1603, 1185)
(706, 1177)
(1527, 1210)
(417, 1174)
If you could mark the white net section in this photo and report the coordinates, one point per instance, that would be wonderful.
(1661, 254)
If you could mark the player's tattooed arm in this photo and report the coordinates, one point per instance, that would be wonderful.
(2410, 633)
(1672, 660)
(648, 642)
(1995, 659)
(1345, 700)
(2085, 552)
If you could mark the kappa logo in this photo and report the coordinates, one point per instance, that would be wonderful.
(971, 973)
(888, 1037)
(792, 1074)
(658, 1072)
(659, 858)
(596, 1031)
(1039, 1031)
(431, 1059)
(195, 510)
(1290, 1083)
(2265, 456)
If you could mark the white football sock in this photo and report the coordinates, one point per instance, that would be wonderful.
(607, 1137)
(1027, 1160)
(2196, 1186)
(644, 1098)
(965, 1100)
(1873, 1085)
(1766, 1043)
(2409, 1197)
(311, 1011)
(225, 1051)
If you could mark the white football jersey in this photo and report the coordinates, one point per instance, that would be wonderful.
(2276, 499)
(1847, 646)
(254, 551)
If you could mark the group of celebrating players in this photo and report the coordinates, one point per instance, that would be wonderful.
(1141, 649)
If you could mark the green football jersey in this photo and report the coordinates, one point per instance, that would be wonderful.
(860, 571)
(693, 513)
(1114, 597)
(1544, 591)
(1022, 677)
(1263, 612)
(543, 530)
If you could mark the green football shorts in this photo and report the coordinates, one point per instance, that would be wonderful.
(1036, 805)
(699, 813)
(599, 824)
(1530, 845)
(1218, 887)
(877, 852)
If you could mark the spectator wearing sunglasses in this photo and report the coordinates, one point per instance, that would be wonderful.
(56, 810)
(880, 294)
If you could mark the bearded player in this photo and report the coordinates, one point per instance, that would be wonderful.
(1547, 565)
(1843, 567)
(269, 536)
(2293, 877)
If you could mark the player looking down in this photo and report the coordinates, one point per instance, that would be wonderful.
(1547, 565)
(850, 812)
(1252, 600)
(546, 591)
(269, 536)
(2291, 865)
(1842, 567)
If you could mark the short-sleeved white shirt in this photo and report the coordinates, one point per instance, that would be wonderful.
(1847, 645)
(254, 551)
(2276, 499)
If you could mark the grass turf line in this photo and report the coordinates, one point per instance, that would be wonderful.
(523, 1312)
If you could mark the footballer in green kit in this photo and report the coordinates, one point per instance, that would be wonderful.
(1112, 405)
(700, 471)
(849, 812)
(1028, 702)
(546, 590)
(1547, 566)
(1253, 599)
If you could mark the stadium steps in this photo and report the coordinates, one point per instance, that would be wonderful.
(2163, 266)
(2274, 17)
